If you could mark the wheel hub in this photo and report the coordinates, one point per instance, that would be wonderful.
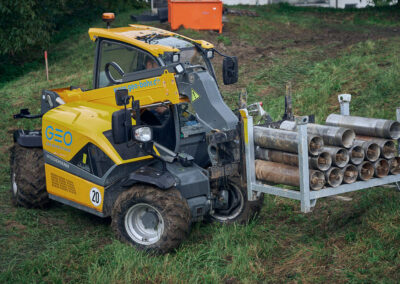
(14, 184)
(150, 220)
(144, 224)
(235, 203)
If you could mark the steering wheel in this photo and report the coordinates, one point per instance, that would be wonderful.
(117, 68)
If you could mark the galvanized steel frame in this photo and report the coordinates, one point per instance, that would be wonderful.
(306, 197)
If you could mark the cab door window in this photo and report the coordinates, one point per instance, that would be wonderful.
(126, 58)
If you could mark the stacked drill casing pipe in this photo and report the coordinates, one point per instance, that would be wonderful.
(394, 166)
(331, 135)
(375, 137)
(340, 156)
(371, 149)
(321, 162)
(387, 147)
(344, 150)
(284, 174)
(350, 173)
(365, 170)
(382, 128)
(334, 176)
(356, 155)
(381, 168)
(283, 140)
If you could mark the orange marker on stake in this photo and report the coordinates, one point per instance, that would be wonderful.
(47, 65)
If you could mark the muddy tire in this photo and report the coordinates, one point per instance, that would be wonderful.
(241, 211)
(28, 182)
(151, 219)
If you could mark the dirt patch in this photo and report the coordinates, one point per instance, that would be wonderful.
(265, 42)
(11, 225)
(231, 280)
(330, 35)
(51, 221)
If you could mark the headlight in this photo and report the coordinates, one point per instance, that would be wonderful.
(143, 134)
(179, 68)
(210, 54)
(175, 57)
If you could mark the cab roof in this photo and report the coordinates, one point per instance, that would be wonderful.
(133, 32)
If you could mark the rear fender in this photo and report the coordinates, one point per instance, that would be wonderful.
(28, 138)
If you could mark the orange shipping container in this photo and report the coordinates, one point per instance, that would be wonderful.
(195, 14)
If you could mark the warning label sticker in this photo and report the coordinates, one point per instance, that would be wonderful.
(195, 95)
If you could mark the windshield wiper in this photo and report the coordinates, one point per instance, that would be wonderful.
(150, 37)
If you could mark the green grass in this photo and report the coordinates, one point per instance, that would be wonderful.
(339, 241)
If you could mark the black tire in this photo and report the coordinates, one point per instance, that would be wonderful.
(241, 213)
(28, 181)
(167, 207)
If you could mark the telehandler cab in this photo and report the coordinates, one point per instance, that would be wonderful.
(152, 144)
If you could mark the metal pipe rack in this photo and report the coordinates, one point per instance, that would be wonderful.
(306, 197)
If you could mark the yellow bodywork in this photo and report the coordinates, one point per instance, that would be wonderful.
(73, 188)
(245, 116)
(147, 91)
(86, 115)
(68, 128)
(131, 33)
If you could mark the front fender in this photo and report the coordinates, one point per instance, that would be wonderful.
(149, 175)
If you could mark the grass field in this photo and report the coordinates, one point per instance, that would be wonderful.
(322, 53)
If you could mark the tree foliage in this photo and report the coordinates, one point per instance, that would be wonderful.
(29, 24)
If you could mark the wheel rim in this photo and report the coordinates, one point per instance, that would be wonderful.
(234, 209)
(14, 184)
(144, 224)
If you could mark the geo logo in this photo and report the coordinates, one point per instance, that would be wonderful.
(58, 135)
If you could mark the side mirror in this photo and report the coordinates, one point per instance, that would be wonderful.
(121, 123)
(230, 71)
(121, 97)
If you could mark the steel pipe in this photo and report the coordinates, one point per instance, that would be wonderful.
(332, 135)
(381, 168)
(366, 126)
(340, 156)
(388, 147)
(356, 154)
(284, 140)
(394, 166)
(321, 162)
(365, 170)
(334, 177)
(284, 174)
(350, 173)
(371, 149)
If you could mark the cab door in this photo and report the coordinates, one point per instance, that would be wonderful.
(114, 59)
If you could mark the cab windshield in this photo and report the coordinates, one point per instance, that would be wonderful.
(189, 53)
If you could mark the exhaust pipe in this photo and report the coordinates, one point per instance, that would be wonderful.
(356, 154)
(383, 128)
(394, 166)
(371, 149)
(388, 147)
(340, 156)
(284, 140)
(284, 174)
(350, 173)
(365, 170)
(321, 162)
(334, 177)
(332, 135)
(381, 168)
